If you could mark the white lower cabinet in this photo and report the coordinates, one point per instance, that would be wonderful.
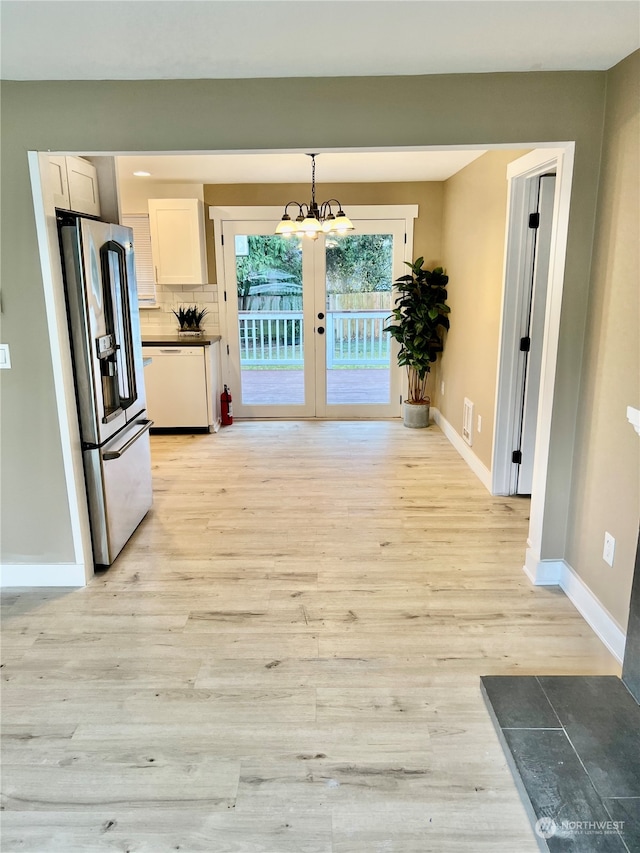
(182, 386)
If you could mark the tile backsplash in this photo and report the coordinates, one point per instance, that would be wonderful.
(170, 297)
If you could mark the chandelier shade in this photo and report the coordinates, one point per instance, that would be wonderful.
(313, 219)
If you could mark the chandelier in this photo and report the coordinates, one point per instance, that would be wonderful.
(313, 219)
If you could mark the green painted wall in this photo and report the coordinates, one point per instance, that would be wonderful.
(203, 115)
(605, 493)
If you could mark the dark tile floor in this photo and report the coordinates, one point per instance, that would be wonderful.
(573, 745)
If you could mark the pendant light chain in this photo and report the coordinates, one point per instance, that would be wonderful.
(311, 219)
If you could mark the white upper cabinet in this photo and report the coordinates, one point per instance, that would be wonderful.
(59, 181)
(178, 240)
(83, 186)
(75, 184)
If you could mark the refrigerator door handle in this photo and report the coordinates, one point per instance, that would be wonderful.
(121, 318)
(116, 454)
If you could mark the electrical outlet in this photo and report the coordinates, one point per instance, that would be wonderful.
(609, 548)
(442, 387)
(479, 423)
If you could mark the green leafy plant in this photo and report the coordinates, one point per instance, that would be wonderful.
(190, 317)
(418, 319)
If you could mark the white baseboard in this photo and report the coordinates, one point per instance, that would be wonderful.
(594, 612)
(543, 572)
(42, 574)
(478, 468)
(560, 573)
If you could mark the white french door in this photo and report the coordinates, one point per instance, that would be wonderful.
(356, 372)
(270, 328)
(304, 320)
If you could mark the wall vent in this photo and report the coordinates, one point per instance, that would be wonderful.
(467, 422)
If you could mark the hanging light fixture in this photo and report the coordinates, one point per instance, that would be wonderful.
(313, 219)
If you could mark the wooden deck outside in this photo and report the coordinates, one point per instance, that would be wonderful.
(273, 387)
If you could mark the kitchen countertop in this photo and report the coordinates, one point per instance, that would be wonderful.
(176, 340)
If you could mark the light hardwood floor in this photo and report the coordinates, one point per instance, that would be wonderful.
(285, 658)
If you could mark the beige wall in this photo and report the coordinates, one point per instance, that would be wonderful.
(134, 193)
(304, 114)
(606, 483)
(475, 207)
(427, 234)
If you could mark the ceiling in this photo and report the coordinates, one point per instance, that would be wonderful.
(147, 39)
(269, 168)
(163, 39)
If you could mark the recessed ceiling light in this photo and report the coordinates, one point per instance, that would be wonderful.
(142, 174)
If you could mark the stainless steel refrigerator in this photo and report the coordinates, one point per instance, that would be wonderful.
(102, 307)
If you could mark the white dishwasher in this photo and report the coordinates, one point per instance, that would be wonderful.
(178, 386)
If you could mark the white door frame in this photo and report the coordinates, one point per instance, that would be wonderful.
(80, 572)
(407, 213)
(520, 174)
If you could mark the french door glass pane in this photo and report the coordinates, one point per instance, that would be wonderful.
(359, 283)
(270, 328)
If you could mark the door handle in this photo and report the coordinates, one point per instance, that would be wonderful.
(321, 330)
(116, 454)
(321, 316)
(119, 312)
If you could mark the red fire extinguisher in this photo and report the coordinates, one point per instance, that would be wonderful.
(226, 407)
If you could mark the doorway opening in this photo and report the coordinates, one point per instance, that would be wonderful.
(303, 318)
(539, 188)
(544, 158)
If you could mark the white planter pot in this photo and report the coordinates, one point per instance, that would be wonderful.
(416, 415)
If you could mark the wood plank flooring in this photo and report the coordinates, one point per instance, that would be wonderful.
(285, 658)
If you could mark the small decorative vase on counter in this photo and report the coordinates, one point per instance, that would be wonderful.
(416, 415)
(189, 320)
(190, 333)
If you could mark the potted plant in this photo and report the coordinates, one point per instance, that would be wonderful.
(190, 320)
(419, 317)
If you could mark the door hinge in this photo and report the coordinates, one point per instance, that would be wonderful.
(516, 457)
(534, 220)
(525, 344)
(227, 349)
(222, 239)
(405, 238)
(225, 295)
